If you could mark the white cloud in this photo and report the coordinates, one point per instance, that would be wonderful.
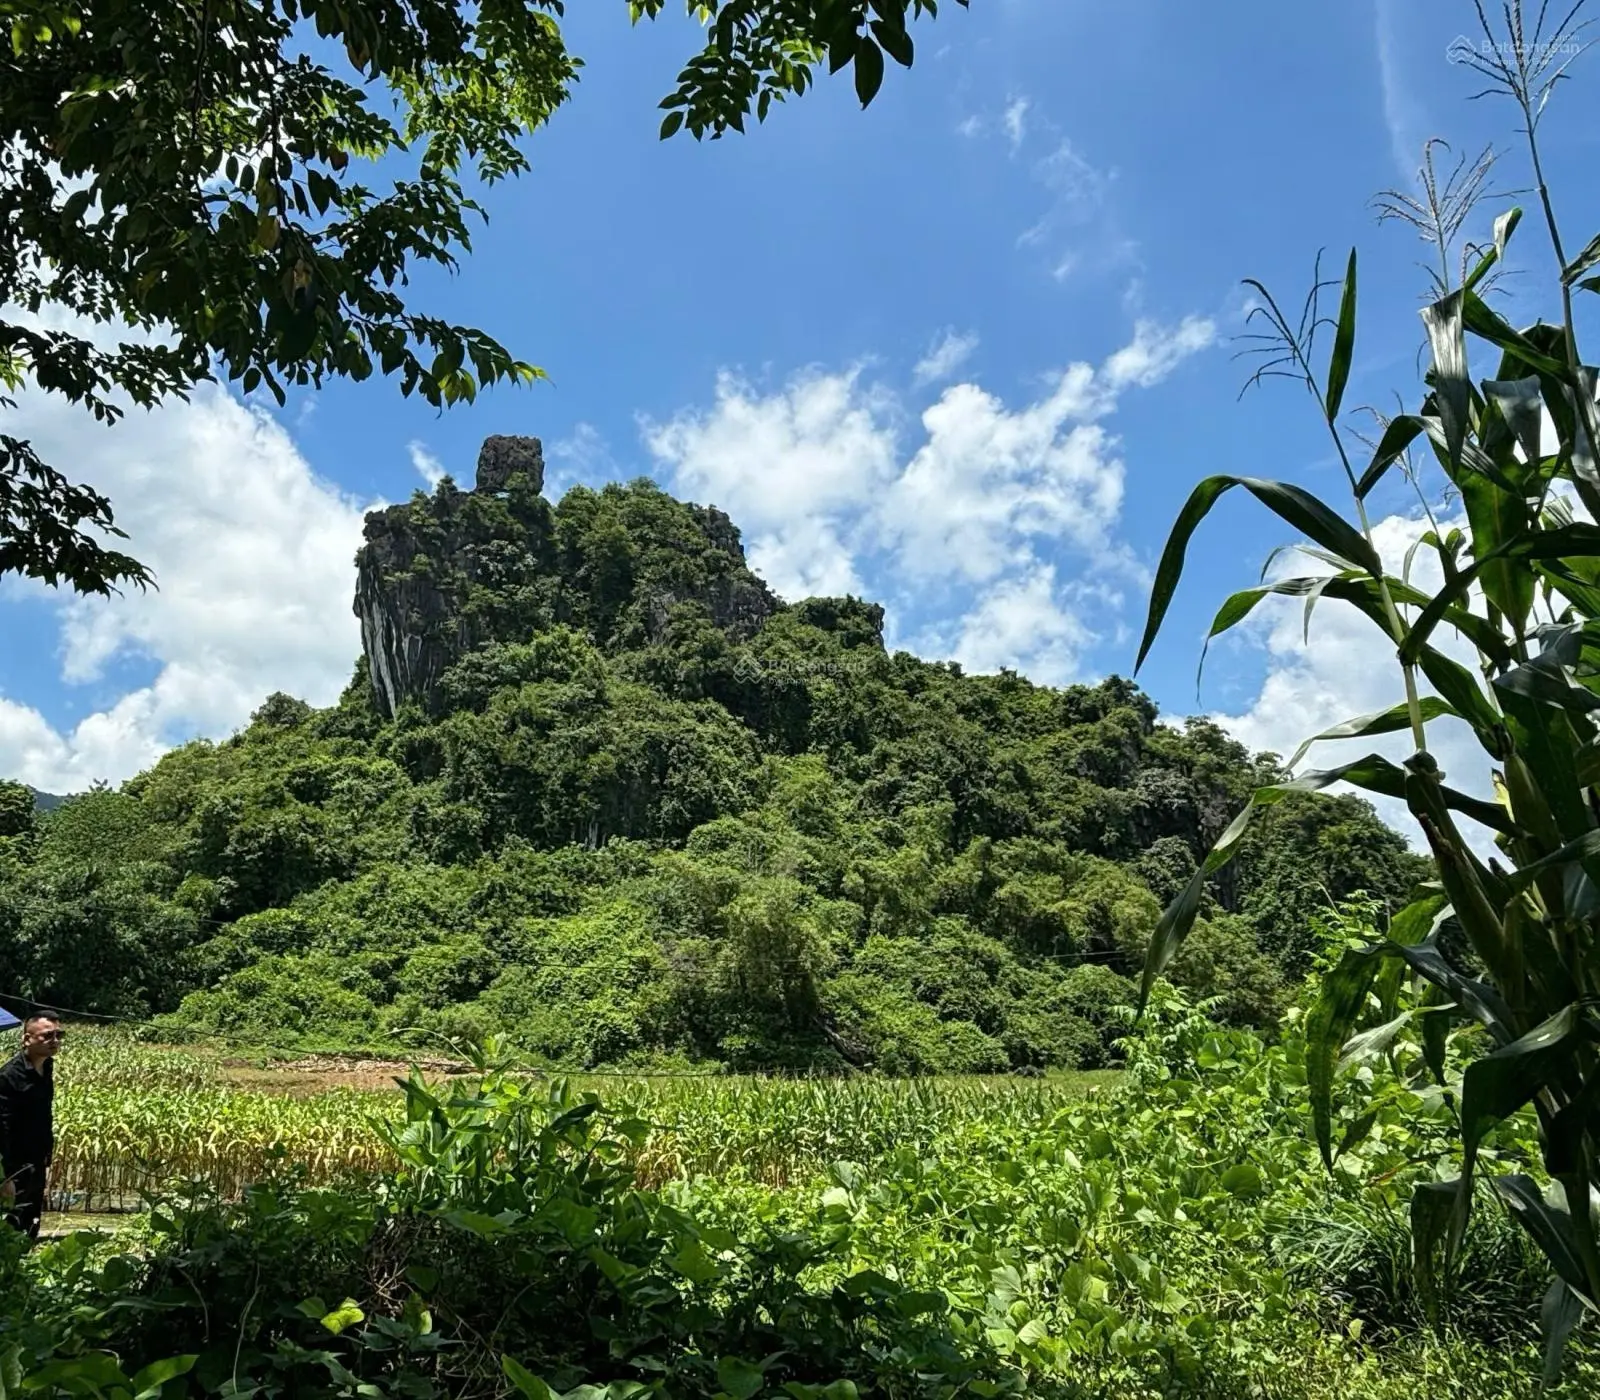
(1080, 187)
(429, 467)
(1154, 352)
(254, 561)
(583, 455)
(988, 481)
(1348, 668)
(1403, 117)
(1016, 121)
(1025, 623)
(831, 503)
(1079, 225)
(944, 358)
(794, 469)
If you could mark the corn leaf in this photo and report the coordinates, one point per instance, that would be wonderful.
(1298, 507)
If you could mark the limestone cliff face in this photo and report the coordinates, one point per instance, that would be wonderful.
(443, 575)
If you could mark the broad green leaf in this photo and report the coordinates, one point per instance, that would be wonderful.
(1453, 390)
(1434, 1206)
(1413, 925)
(1550, 684)
(1546, 1220)
(1435, 1019)
(1478, 999)
(1583, 262)
(1498, 516)
(869, 70)
(1520, 403)
(1504, 226)
(474, 1222)
(1496, 1086)
(1244, 1179)
(1487, 323)
(1345, 587)
(1586, 846)
(1569, 541)
(1344, 341)
(528, 1385)
(1341, 999)
(11, 1372)
(1376, 1040)
(348, 1314)
(1558, 1315)
(1389, 721)
(158, 1373)
(740, 1378)
(1464, 696)
(895, 40)
(1299, 508)
(1398, 435)
(98, 1371)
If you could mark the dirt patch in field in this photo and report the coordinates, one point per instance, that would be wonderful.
(317, 1074)
(57, 1223)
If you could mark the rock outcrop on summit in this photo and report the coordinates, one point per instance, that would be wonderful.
(443, 575)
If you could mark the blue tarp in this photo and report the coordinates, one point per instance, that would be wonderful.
(7, 1020)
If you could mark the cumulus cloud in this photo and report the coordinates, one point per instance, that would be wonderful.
(972, 514)
(1026, 622)
(1155, 351)
(945, 357)
(254, 560)
(797, 469)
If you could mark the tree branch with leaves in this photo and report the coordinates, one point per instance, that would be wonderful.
(193, 175)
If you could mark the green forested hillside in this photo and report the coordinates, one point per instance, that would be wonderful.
(632, 808)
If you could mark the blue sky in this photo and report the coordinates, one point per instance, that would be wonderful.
(965, 352)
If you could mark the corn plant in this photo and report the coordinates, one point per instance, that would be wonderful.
(1504, 942)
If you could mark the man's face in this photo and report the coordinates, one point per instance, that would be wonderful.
(42, 1038)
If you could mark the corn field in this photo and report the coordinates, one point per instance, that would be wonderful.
(134, 1118)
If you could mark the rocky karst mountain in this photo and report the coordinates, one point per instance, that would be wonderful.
(443, 575)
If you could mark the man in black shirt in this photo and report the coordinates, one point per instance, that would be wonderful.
(27, 1132)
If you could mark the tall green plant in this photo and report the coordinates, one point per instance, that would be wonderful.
(1506, 943)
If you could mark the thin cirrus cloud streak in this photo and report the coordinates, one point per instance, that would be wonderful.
(1078, 226)
(1405, 119)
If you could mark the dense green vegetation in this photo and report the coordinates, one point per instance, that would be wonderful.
(1508, 947)
(816, 1241)
(597, 799)
(628, 835)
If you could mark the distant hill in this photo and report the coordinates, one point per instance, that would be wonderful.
(595, 788)
(45, 801)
